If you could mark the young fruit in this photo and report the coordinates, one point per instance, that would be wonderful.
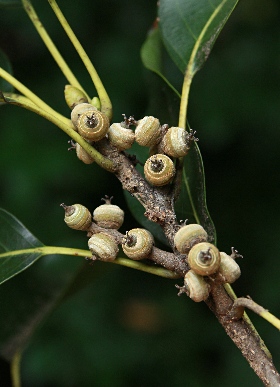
(77, 216)
(229, 269)
(147, 132)
(196, 286)
(189, 235)
(108, 215)
(159, 170)
(138, 243)
(103, 247)
(204, 258)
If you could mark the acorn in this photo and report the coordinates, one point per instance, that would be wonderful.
(138, 243)
(196, 286)
(148, 131)
(77, 216)
(103, 247)
(189, 235)
(108, 215)
(159, 170)
(120, 136)
(229, 269)
(204, 258)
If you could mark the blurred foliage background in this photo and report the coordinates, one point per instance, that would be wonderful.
(129, 328)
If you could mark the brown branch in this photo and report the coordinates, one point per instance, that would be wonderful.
(159, 208)
(243, 337)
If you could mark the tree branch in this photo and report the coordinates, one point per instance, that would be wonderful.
(159, 208)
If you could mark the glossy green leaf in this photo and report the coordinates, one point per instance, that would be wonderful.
(191, 203)
(151, 55)
(6, 65)
(189, 29)
(14, 236)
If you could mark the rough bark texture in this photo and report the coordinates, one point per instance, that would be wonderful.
(158, 203)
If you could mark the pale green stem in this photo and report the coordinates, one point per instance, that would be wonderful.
(15, 369)
(270, 318)
(159, 271)
(241, 303)
(51, 46)
(192, 67)
(24, 102)
(67, 128)
(51, 250)
(106, 106)
(33, 97)
(185, 98)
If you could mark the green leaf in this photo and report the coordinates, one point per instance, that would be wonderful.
(6, 65)
(27, 299)
(189, 29)
(151, 55)
(14, 236)
(191, 203)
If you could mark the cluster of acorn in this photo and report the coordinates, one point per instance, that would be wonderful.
(159, 169)
(204, 259)
(137, 243)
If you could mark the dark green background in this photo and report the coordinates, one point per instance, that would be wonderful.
(129, 328)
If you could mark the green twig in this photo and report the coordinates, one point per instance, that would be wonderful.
(24, 102)
(184, 99)
(106, 106)
(15, 369)
(51, 46)
(51, 250)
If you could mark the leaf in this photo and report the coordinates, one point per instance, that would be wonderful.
(6, 65)
(191, 203)
(14, 236)
(27, 299)
(190, 28)
(151, 55)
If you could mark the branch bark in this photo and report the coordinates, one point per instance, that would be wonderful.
(158, 203)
